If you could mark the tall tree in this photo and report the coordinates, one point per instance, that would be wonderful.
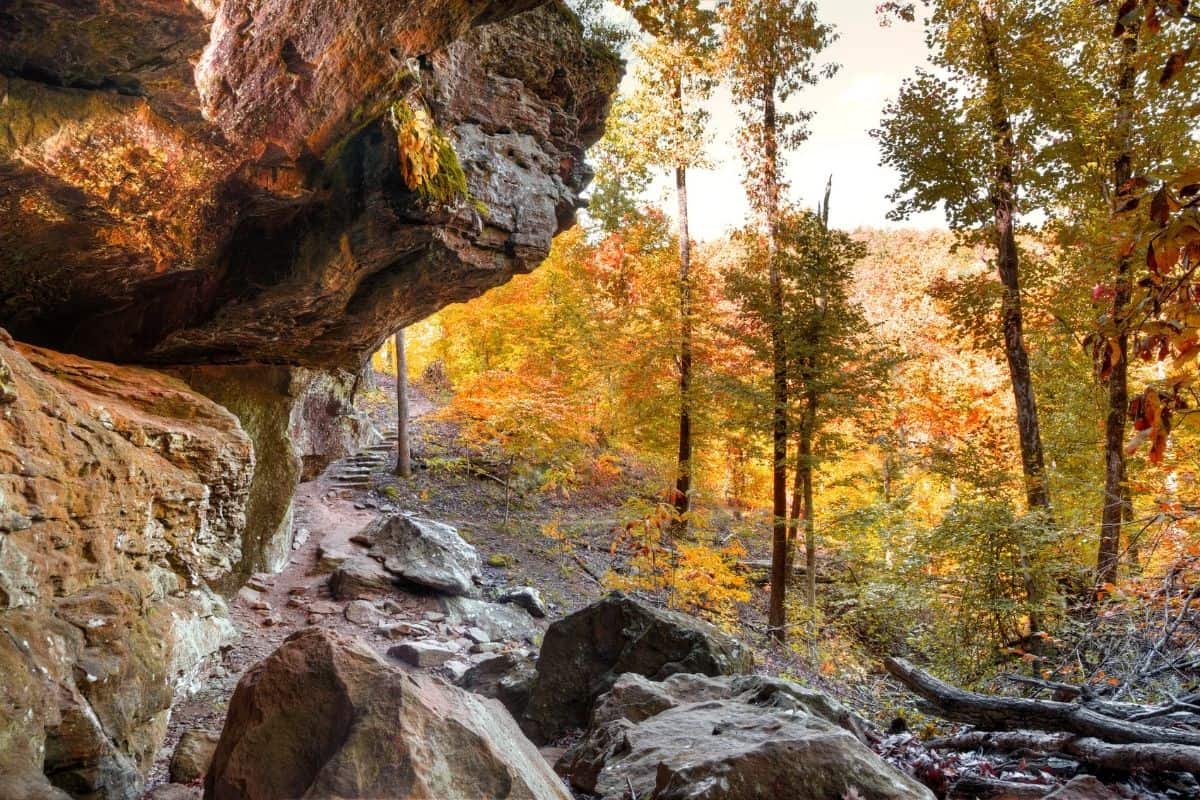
(954, 140)
(1114, 110)
(666, 120)
(769, 52)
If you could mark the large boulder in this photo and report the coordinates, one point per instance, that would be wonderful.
(697, 738)
(583, 654)
(122, 498)
(323, 716)
(192, 755)
(219, 182)
(423, 553)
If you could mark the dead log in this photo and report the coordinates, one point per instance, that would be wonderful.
(978, 787)
(1182, 710)
(1122, 758)
(1020, 713)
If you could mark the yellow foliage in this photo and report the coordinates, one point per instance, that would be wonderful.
(694, 576)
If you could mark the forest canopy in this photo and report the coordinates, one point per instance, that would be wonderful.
(974, 446)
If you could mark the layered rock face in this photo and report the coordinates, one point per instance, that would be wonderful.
(299, 420)
(122, 495)
(216, 181)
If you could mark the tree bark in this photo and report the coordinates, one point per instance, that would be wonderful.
(1004, 203)
(403, 445)
(1116, 489)
(779, 394)
(683, 480)
(1019, 713)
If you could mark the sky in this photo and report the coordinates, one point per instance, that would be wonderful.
(874, 60)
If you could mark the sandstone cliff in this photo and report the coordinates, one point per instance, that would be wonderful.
(216, 181)
(214, 188)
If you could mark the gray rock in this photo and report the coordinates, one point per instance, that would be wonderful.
(425, 553)
(329, 560)
(731, 750)
(455, 669)
(507, 677)
(499, 622)
(583, 655)
(527, 598)
(423, 654)
(634, 697)
(360, 578)
(249, 596)
(324, 607)
(300, 539)
(477, 636)
(362, 612)
(192, 755)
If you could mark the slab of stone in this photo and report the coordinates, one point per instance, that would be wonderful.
(527, 598)
(423, 654)
(360, 578)
(362, 612)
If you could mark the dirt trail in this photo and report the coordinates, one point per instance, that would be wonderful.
(325, 518)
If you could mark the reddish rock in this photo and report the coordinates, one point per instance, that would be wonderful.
(122, 494)
(215, 181)
(324, 716)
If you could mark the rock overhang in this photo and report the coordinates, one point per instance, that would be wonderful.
(236, 196)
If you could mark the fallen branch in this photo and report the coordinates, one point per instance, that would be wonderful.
(1019, 713)
(1123, 758)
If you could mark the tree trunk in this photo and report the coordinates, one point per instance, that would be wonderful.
(810, 533)
(779, 393)
(1004, 204)
(683, 481)
(403, 446)
(802, 501)
(1116, 489)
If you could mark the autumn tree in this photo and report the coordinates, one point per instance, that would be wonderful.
(956, 138)
(769, 51)
(664, 122)
(833, 364)
(1114, 102)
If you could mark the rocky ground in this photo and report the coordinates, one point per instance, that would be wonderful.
(339, 504)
